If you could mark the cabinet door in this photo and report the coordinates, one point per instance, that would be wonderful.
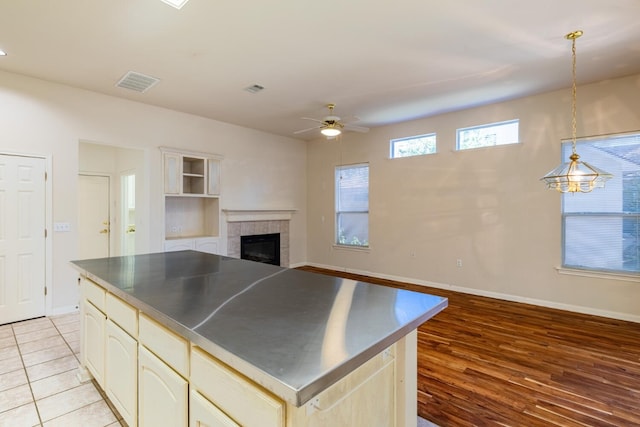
(162, 393)
(121, 372)
(94, 330)
(207, 245)
(213, 179)
(172, 173)
(178, 245)
(203, 413)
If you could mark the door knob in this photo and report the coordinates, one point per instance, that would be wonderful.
(104, 231)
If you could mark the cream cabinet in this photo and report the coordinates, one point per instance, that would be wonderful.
(162, 394)
(189, 174)
(173, 245)
(203, 413)
(121, 372)
(248, 404)
(156, 377)
(192, 200)
(201, 244)
(213, 177)
(172, 173)
(93, 341)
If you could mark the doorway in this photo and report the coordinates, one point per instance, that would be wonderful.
(22, 237)
(129, 204)
(128, 215)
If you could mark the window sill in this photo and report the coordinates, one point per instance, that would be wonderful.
(599, 274)
(352, 248)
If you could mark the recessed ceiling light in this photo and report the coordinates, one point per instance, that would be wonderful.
(176, 3)
(3, 53)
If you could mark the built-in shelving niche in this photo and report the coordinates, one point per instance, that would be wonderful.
(187, 217)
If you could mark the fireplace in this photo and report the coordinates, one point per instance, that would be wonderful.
(261, 248)
(247, 222)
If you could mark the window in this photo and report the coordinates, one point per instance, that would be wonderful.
(352, 205)
(413, 146)
(601, 229)
(488, 135)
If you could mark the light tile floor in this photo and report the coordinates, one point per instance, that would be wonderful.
(38, 383)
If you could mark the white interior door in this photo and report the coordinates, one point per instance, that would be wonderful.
(22, 239)
(93, 216)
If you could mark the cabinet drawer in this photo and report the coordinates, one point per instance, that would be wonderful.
(204, 413)
(94, 293)
(123, 315)
(168, 346)
(233, 394)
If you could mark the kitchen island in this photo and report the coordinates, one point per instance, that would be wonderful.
(182, 338)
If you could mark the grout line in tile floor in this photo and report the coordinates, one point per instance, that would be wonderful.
(39, 360)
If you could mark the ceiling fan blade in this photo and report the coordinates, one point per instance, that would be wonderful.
(315, 120)
(307, 130)
(355, 128)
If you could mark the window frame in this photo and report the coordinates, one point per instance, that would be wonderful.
(393, 141)
(617, 191)
(338, 211)
(485, 126)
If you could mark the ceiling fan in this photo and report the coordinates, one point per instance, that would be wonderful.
(331, 126)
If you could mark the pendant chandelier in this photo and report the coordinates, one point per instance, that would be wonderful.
(575, 176)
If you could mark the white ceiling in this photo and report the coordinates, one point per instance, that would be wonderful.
(380, 61)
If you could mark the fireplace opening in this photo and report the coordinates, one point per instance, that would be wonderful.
(261, 248)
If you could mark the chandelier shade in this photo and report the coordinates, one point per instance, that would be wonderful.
(576, 177)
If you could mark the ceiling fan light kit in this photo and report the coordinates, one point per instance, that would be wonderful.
(331, 131)
(575, 176)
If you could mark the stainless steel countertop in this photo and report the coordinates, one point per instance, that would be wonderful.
(293, 332)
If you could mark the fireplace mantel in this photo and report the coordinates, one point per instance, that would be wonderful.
(242, 215)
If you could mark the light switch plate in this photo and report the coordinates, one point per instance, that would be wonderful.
(61, 226)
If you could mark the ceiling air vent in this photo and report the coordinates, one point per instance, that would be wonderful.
(136, 81)
(254, 88)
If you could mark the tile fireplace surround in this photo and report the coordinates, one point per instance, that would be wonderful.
(253, 222)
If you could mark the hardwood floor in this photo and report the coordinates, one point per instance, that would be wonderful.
(488, 362)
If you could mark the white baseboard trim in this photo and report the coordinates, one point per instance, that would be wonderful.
(63, 310)
(489, 294)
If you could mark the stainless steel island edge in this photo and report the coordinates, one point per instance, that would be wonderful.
(293, 332)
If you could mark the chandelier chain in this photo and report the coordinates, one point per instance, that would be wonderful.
(573, 96)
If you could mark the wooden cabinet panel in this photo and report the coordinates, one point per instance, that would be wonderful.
(203, 413)
(121, 372)
(365, 397)
(94, 293)
(162, 393)
(206, 245)
(179, 245)
(168, 346)
(213, 178)
(172, 173)
(93, 341)
(248, 404)
(122, 314)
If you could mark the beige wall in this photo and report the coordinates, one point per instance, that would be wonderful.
(259, 170)
(486, 207)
